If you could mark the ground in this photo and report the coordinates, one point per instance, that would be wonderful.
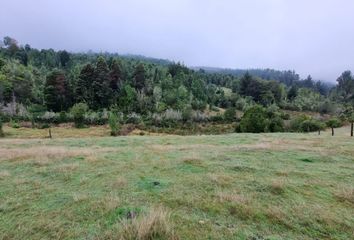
(234, 186)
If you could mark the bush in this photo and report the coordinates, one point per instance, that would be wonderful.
(312, 125)
(113, 122)
(285, 116)
(276, 124)
(14, 124)
(295, 124)
(254, 120)
(230, 115)
(305, 123)
(133, 118)
(78, 111)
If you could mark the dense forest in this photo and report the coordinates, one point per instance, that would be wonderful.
(59, 86)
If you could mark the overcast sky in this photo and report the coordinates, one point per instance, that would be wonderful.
(310, 36)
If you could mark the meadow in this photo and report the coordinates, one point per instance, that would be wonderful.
(84, 185)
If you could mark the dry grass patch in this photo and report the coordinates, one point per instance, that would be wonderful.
(4, 174)
(155, 224)
(120, 182)
(80, 197)
(277, 186)
(276, 215)
(68, 167)
(232, 197)
(221, 180)
(345, 194)
(44, 153)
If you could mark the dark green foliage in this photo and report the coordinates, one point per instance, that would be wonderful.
(78, 111)
(101, 85)
(254, 120)
(64, 58)
(84, 89)
(127, 99)
(230, 115)
(113, 122)
(115, 76)
(312, 125)
(56, 91)
(139, 77)
(346, 86)
(58, 79)
(292, 93)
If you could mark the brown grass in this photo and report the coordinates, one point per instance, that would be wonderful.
(276, 215)
(221, 180)
(345, 194)
(68, 167)
(4, 174)
(153, 225)
(80, 197)
(42, 153)
(277, 186)
(232, 197)
(120, 182)
(193, 161)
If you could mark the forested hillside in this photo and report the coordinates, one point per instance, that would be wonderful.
(44, 85)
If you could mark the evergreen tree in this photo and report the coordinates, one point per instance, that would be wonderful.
(84, 90)
(64, 58)
(56, 91)
(292, 93)
(115, 76)
(139, 77)
(101, 85)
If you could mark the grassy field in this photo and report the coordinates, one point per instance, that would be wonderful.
(235, 186)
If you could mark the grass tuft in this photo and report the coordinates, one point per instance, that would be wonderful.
(346, 194)
(153, 225)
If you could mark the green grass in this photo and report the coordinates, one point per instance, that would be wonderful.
(235, 186)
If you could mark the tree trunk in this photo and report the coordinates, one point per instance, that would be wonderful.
(352, 129)
(319, 132)
(332, 131)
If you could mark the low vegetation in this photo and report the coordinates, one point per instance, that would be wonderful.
(234, 186)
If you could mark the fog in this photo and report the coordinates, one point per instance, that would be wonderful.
(309, 36)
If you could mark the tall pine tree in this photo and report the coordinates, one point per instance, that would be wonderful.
(84, 91)
(56, 91)
(139, 77)
(101, 85)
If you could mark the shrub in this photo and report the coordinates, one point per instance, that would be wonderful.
(230, 115)
(48, 117)
(254, 120)
(133, 118)
(199, 116)
(295, 124)
(78, 111)
(113, 122)
(285, 116)
(14, 124)
(311, 125)
(276, 124)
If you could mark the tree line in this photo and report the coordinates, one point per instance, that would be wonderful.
(55, 81)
